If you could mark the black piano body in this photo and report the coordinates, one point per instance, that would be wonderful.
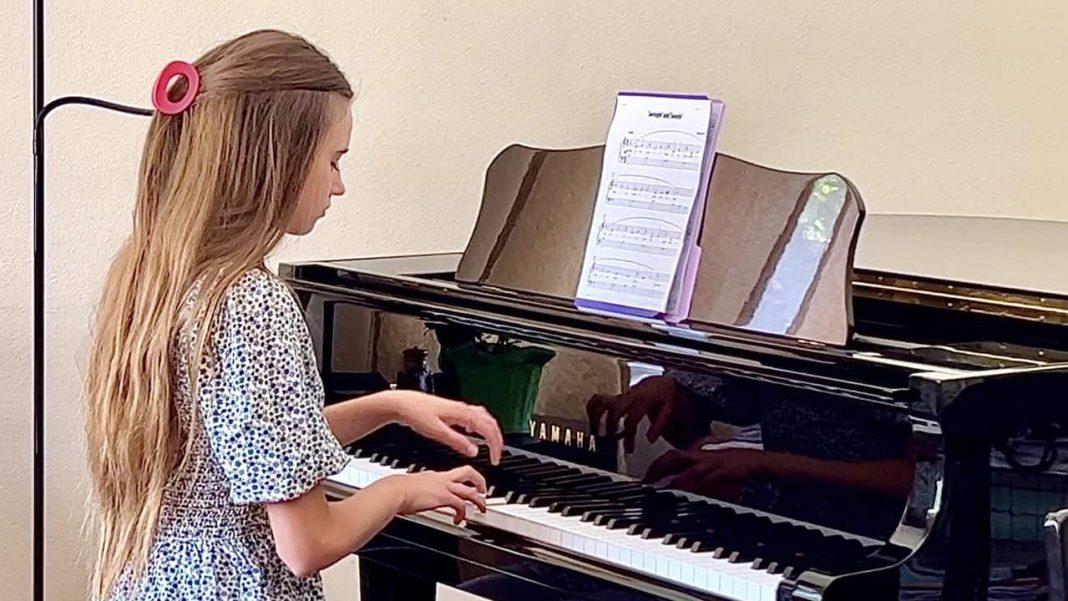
(912, 421)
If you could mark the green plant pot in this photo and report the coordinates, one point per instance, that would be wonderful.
(502, 378)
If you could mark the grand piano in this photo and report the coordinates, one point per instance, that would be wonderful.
(823, 430)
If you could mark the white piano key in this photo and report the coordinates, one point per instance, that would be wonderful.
(700, 578)
(663, 566)
(601, 550)
(675, 571)
(688, 576)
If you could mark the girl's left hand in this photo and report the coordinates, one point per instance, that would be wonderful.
(434, 418)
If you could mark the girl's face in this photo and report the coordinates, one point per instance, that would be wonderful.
(324, 177)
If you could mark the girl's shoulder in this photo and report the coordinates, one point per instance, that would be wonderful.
(259, 298)
(259, 288)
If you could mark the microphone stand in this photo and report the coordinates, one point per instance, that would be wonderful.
(40, 113)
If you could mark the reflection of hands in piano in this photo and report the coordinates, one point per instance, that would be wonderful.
(669, 410)
(435, 418)
(720, 474)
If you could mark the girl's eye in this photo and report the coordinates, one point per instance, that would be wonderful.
(333, 165)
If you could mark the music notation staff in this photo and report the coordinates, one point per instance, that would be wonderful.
(639, 238)
(636, 281)
(651, 196)
(671, 155)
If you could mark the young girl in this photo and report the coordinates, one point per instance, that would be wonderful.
(206, 432)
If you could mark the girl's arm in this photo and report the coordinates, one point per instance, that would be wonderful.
(353, 419)
(311, 534)
(427, 415)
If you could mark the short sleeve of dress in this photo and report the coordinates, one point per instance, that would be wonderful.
(263, 413)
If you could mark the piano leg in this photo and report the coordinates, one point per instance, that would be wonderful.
(967, 503)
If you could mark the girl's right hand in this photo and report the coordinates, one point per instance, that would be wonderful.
(433, 490)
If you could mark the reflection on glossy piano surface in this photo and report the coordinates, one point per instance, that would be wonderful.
(814, 431)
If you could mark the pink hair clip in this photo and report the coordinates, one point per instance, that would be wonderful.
(162, 101)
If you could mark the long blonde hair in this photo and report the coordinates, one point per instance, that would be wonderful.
(217, 187)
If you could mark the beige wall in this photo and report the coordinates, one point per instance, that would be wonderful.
(948, 106)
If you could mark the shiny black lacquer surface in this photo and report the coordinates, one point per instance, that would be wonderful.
(901, 446)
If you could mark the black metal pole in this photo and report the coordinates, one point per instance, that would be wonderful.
(38, 301)
(40, 113)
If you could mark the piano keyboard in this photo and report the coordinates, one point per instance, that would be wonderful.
(691, 542)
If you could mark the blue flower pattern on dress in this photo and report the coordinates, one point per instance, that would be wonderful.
(259, 436)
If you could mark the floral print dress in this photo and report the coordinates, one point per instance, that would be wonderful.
(259, 437)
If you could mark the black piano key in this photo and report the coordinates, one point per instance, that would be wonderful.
(517, 485)
(577, 479)
(582, 509)
(522, 497)
(704, 545)
(564, 471)
(737, 546)
(674, 538)
(520, 470)
(716, 550)
(576, 507)
(740, 557)
(618, 522)
(631, 496)
(601, 517)
(566, 498)
(515, 461)
(651, 534)
(545, 500)
(529, 491)
(697, 547)
(540, 469)
(608, 485)
(656, 526)
(529, 478)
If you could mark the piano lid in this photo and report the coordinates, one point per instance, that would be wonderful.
(1002, 252)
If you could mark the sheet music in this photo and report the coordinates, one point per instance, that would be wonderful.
(681, 296)
(650, 177)
(619, 275)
